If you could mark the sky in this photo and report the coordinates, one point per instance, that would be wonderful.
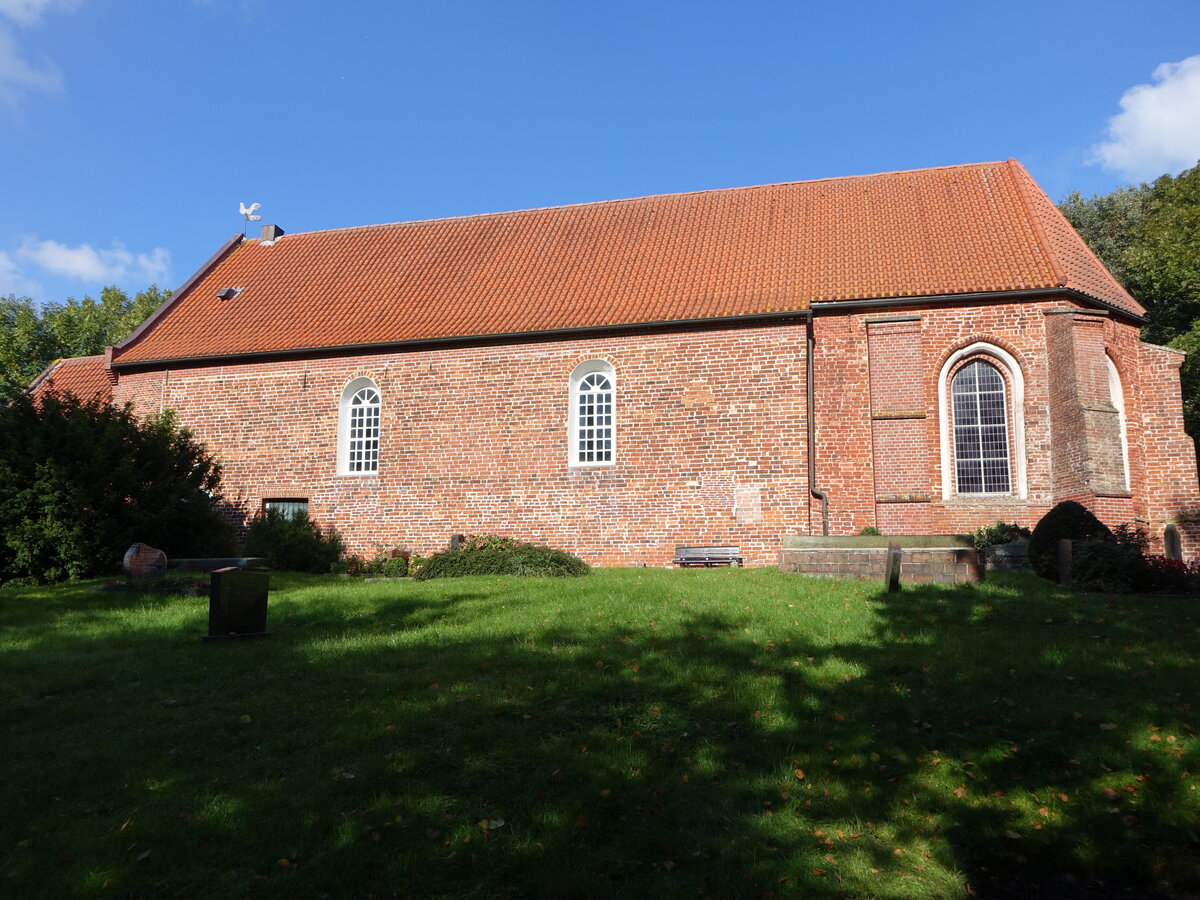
(132, 130)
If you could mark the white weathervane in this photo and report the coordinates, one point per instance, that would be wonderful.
(248, 212)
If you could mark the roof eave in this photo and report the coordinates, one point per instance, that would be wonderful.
(984, 297)
(31, 389)
(470, 339)
(624, 328)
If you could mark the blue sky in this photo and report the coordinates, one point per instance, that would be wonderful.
(130, 130)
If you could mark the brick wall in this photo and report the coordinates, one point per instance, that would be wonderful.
(711, 434)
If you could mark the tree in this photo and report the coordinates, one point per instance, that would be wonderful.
(1163, 258)
(82, 480)
(1107, 223)
(32, 338)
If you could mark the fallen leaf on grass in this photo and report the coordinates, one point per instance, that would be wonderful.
(1108, 726)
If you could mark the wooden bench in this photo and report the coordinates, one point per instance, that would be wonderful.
(687, 557)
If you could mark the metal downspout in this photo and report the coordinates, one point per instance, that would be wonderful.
(812, 429)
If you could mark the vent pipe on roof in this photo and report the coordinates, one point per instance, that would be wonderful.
(271, 233)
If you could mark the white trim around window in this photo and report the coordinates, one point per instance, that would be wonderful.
(358, 428)
(592, 415)
(1004, 361)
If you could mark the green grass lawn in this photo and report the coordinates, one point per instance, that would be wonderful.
(634, 733)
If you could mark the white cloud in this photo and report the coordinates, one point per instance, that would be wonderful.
(13, 282)
(29, 12)
(86, 263)
(18, 75)
(1158, 128)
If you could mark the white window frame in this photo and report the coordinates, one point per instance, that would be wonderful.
(1011, 372)
(1116, 395)
(345, 466)
(575, 454)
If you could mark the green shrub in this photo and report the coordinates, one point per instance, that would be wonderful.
(82, 480)
(1068, 520)
(870, 531)
(350, 564)
(1000, 533)
(396, 567)
(522, 559)
(293, 544)
(379, 564)
(1107, 566)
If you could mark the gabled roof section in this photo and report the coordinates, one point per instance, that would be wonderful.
(84, 376)
(1078, 267)
(740, 252)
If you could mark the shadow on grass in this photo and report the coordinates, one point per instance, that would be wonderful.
(1003, 738)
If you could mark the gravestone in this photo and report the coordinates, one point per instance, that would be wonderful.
(144, 561)
(1065, 554)
(1172, 546)
(891, 575)
(237, 604)
(1010, 557)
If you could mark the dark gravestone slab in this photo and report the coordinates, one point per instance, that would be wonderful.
(892, 574)
(237, 604)
(1065, 554)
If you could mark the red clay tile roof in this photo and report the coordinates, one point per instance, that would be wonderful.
(738, 252)
(84, 376)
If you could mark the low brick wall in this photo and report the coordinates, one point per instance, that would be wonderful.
(918, 565)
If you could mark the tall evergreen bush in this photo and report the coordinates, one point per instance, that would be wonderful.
(82, 480)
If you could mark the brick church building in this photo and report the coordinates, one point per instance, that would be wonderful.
(923, 352)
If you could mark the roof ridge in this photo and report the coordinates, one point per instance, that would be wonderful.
(617, 200)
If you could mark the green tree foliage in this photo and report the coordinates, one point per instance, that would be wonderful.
(1149, 237)
(32, 337)
(1107, 223)
(82, 480)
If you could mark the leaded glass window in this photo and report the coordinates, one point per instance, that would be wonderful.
(980, 429)
(358, 428)
(362, 449)
(594, 419)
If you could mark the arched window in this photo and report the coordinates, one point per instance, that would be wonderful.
(980, 430)
(358, 429)
(592, 428)
(981, 420)
(1117, 395)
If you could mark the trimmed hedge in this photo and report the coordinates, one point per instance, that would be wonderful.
(525, 559)
(1069, 520)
